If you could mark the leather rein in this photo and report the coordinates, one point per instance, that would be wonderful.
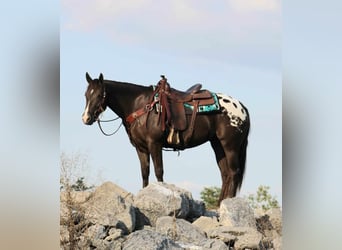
(101, 109)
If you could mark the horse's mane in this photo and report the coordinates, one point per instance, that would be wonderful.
(126, 87)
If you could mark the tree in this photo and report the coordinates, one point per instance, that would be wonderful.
(72, 216)
(263, 199)
(210, 196)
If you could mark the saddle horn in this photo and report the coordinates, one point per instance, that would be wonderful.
(163, 78)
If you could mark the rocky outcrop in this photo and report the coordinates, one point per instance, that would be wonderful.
(162, 199)
(163, 216)
(111, 206)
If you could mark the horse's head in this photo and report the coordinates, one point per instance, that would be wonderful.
(95, 99)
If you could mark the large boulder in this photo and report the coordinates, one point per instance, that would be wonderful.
(162, 199)
(236, 212)
(111, 206)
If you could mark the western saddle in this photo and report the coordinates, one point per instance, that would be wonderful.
(172, 112)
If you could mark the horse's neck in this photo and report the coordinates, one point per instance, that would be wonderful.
(125, 98)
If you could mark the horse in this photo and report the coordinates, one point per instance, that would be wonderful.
(226, 129)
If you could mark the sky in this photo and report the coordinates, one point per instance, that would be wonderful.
(232, 47)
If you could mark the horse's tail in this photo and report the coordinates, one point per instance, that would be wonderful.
(243, 152)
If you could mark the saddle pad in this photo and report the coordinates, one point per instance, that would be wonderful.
(206, 108)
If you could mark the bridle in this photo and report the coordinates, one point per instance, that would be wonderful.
(101, 108)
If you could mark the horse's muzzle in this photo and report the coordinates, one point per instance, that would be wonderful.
(87, 119)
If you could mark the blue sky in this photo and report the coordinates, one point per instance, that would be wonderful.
(233, 47)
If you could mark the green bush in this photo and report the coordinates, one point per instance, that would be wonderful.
(262, 199)
(210, 196)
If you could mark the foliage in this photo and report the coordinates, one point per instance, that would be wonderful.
(210, 196)
(263, 199)
(80, 185)
(73, 216)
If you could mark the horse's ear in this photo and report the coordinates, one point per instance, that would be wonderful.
(89, 80)
(101, 78)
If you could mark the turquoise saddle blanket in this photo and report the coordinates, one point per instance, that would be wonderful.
(206, 108)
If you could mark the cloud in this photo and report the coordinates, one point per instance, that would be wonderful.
(230, 30)
(254, 5)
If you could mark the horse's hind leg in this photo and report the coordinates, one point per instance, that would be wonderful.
(229, 164)
(234, 179)
(222, 163)
(145, 165)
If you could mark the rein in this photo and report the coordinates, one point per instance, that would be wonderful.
(99, 123)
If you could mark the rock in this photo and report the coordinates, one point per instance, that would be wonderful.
(277, 243)
(213, 244)
(275, 217)
(161, 199)
(179, 230)
(197, 209)
(239, 237)
(205, 245)
(269, 225)
(187, 235)
(111, 206)
(149, 239)
(236, 212)
(167, 218)
(95, 232)
(114, 234)
(206, 224)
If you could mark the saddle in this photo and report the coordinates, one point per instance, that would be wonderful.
(173, 111)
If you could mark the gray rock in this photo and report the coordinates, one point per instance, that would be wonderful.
(213, 244)
(179, 230)
(206, 223)
(161, 199)
(205, 245)
(149, 240)
(236, 212)
(114, 234)
(111, 206)
(197, 209)
(95, 232)
(239, 237)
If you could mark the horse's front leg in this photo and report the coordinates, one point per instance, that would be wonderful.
(157, 158)
(145, 165)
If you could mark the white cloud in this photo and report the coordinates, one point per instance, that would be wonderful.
(255, 5)
(231, 30)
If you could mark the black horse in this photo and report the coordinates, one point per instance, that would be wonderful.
(227, 128)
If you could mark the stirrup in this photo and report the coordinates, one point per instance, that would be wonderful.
(170, 137)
